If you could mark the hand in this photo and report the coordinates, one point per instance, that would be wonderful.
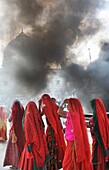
(65, 101)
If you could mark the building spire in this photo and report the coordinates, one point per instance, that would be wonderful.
(22, 30)
(89, 54)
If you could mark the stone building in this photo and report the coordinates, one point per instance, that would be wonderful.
(14, 58)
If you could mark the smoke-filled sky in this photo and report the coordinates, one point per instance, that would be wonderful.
(61, 24)
(61, 33)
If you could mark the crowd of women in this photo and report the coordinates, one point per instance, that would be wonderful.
(31, 146)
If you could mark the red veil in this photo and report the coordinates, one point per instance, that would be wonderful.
(17, 115)
(49, 108)
(36, 147)
(83, 155)
(102, 128)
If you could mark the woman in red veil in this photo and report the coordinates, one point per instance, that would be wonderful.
(54, 133)
(16, 136)
(99, 127)
(77, 155)
(35, 153)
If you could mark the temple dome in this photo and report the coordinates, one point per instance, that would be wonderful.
(15, 50)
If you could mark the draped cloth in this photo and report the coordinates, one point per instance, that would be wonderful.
(78, 150)
(100, 135)
(17, 116)
(16, 136)
(49, 108)
(35, 152)
(3, 125)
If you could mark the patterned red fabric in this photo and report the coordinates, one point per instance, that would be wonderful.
(17, 116)
(12, 155)
(80, 132)
(3, 124)
(69, 162)
(49, 108)
(35, 137)
(103, 124)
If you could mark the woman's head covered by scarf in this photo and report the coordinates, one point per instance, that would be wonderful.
(17, 107)
(49, 108)
(2, 112)
(17, 113)
(98, 104)
(17, 116)
(80, 130)
(101, 124)
(34, 133)
(33, 117)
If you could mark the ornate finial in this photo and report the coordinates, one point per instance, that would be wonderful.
(89, 54)
(22, 30)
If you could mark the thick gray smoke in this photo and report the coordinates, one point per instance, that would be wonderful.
(60, 30)
(99, 71)
(92, 82)
(78, 78)
(54, 26)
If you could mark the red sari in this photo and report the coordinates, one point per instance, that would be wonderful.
(3, 125)
(54, 133)
(35, 152)
(77, 155)
(16, 136)
(99, 125)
